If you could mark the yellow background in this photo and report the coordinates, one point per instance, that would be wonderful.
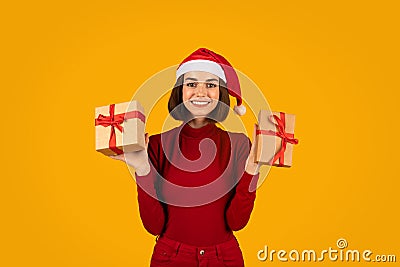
(334, 64)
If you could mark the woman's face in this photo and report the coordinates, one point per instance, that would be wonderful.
(200, 92)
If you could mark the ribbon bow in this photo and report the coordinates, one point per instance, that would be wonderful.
(286, 137)
(115, 120)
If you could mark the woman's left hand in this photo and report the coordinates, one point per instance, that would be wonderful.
(252, 167)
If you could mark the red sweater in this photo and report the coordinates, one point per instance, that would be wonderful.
(202, 190)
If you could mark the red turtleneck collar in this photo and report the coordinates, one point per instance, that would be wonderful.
(205, 131)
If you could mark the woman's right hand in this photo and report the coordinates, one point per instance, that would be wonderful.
(137, 159)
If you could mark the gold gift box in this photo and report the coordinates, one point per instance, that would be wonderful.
(128, 116)
(271, 133)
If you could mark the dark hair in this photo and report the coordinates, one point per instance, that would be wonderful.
(180, 112)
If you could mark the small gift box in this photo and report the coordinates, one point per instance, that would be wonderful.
(120, 128)
(275, 138)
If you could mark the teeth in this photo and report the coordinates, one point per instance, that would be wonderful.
(200, 102)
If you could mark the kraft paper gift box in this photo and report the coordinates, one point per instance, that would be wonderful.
(120, 128)
(275, 138)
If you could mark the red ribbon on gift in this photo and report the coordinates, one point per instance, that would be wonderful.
(115, 120)
(286, 137)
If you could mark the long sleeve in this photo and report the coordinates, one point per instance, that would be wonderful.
(151, 209)
(242, 201)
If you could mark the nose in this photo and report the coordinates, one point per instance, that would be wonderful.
(201, 89)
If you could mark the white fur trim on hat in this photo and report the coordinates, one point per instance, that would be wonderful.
(201, 65)
(240, 110)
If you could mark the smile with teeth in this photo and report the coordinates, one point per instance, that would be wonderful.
(200, 102)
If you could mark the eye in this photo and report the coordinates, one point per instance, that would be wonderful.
(211, 85)
(191, 84)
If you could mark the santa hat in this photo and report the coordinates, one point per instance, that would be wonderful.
(204, 59)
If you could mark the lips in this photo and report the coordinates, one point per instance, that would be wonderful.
(200, 102)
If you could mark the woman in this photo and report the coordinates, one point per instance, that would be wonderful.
(196, 182)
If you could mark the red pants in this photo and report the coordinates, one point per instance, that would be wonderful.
(168, 252)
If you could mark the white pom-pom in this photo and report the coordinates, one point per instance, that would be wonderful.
(240, 110)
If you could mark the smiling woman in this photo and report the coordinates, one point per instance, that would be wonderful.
(196, 182)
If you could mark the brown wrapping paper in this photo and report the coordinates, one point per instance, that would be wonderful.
(132, 138)
(269, 145)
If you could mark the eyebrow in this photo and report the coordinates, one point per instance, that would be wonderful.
(208, 80)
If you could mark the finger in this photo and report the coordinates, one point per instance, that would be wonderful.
(118, 157)
(254, 140)
(256, 127)
(254, 132)
(254, 145)
(146, 138)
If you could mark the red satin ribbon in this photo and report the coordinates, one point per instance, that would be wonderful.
(286, 137)
(115, 120)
